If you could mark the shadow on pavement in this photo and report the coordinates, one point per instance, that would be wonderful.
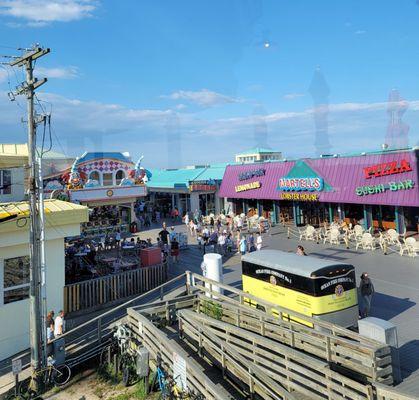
(409, 358)
(387, 307)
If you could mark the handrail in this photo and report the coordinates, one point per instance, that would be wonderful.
(253, 372)
(361, 360)
(123, 305)
(276, 359)
(148, 335)
(192, 277)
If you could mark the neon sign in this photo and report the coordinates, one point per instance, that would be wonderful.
(248, 186)
(383, 187)
(387, 168)
(250, 174)
(301, 184)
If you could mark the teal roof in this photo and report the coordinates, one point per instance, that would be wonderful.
(180, 178)
(257, 150)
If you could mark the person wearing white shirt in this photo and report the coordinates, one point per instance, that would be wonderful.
(221, 243)
(259, 242)
(59, 324)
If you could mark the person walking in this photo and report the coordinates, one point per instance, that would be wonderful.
(174, 247)
(243, 245)
(221, 243)
(259, 242)
(163, 235)
(366, 289)
(251, 243)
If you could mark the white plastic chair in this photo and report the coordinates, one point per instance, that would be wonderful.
(411, 246)
(367, 242)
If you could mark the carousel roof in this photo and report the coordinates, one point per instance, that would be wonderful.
(114, 155)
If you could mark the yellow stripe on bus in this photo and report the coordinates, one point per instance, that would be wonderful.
(297, 301)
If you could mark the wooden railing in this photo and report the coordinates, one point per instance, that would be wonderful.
(160, 347)
(108, 290)
(331, 342)
(294, 370)
(364, 361)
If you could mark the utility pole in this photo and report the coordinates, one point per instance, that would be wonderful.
(27, 88)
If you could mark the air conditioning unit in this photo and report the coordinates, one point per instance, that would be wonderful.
(384, 332)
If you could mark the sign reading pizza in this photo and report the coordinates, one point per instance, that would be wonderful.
(387, 168)
(301, 184)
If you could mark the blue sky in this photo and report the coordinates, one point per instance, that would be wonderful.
(186, 82)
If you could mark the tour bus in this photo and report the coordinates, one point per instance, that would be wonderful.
(320, 288)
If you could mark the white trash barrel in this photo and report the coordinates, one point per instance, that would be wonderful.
(212, 268)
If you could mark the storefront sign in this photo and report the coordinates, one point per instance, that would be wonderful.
(301, 184)
(388, 168)
(381, 188)
(250, 174)
(202, 188)
(300, 196)
(248, 186)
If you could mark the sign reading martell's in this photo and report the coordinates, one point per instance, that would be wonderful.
(383, 187)
(301, 184)
(387, 168)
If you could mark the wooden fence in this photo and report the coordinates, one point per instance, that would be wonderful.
(297, 372)
(108, 290)
(159, 346)
(366, 361)
(333, 343)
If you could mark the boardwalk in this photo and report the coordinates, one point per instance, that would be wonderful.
(396, 281)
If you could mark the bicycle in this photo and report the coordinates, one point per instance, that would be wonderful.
(51, 375)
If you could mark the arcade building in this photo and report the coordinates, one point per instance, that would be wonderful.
(109, 183)
(376, 189)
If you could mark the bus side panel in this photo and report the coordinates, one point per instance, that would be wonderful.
(335, 302)
(291, 299)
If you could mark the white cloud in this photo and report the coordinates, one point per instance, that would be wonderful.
(70, 72)
(360, 32)
(293, 96)
(107, 126)
(203, 97)
(39, 13)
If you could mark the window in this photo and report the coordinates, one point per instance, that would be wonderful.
(119, 176)
(5, 181)
(107, 179)
(16, 279)
(94, 175)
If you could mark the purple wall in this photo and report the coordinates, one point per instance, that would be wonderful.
(343, 174)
